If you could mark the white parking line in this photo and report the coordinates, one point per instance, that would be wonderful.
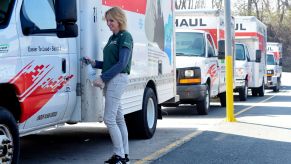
(168, 148)
(256, 104)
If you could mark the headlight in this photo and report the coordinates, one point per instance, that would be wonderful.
(189, 73)
(189, 76)
(270, 71)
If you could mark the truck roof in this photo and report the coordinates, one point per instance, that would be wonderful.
(190, 30)
(250, 19)
(274, 43)
(205, 12)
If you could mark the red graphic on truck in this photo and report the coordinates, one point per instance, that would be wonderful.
(212, 71)
(129, 5)
(35, 88)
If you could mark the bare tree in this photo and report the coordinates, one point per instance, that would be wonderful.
(218, 4)
(249, 7)
(199, 4)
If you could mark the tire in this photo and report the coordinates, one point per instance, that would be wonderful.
(277, 87)
(9, 138)
(254, 92)
(243, 92)
(261, 90)
(204, 105)
(222, 98)
(142, 124)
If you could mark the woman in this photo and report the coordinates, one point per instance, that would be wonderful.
(115, 67)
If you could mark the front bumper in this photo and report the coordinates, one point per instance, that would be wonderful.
(191, 93)
(271, 81)
(239, 83)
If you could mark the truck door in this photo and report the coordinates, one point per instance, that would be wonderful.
(248, 64)
(45, 65)
(213, 66)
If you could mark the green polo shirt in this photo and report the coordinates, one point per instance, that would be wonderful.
(111, 50)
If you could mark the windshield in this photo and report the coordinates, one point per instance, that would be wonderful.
(5, 7)
(190, 44)
(239, 52)
(270, 59)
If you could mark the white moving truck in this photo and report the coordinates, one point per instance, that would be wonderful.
(274, 65)
(43, 83)
(200, 71)
(253, 33)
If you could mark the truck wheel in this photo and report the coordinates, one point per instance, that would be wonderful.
(277, 87)
(254, 92)
(243, 93)
(9, 138)
(204, 105)
(142, 124)
(222, 98)
(261, 90)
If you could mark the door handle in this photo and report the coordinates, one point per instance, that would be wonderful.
(64, 65)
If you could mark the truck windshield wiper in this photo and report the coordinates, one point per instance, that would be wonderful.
(180, 54)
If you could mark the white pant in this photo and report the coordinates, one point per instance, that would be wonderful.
(113, 116)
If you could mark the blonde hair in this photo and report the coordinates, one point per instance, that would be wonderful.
(118, 14)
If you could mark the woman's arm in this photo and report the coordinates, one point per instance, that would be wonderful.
(97, 64)
(94, 63)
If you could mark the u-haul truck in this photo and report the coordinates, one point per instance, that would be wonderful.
(253, 33)
(43, 82)
(200, 71)
(274, 65)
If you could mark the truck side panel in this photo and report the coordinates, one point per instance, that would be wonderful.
(151, 25)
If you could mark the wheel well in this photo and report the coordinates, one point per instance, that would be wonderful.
(9, 100)
(208, 82)
(152, 85)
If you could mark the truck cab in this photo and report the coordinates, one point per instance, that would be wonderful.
(199, 71)
(274, 70)
(242, 70)
(200, 68)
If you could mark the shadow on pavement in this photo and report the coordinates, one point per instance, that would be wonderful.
(221, 148)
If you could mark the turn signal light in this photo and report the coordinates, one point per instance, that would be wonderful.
(190, 81)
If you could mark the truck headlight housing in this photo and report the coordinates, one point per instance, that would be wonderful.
(270, 72)
(189, 73)
(189, 76)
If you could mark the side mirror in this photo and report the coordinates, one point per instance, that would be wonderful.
(258, 56)
(66, 11)
(67, 31)
(66, 17)
(221, 49)
(280, 62)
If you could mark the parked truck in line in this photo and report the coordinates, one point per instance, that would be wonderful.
(253, 33)
(43, 83)
(274, 65)
(200, 67)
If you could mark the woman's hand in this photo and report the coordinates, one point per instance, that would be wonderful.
(87, 61)
(98, 83)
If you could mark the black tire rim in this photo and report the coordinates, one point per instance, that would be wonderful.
(6, 147)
